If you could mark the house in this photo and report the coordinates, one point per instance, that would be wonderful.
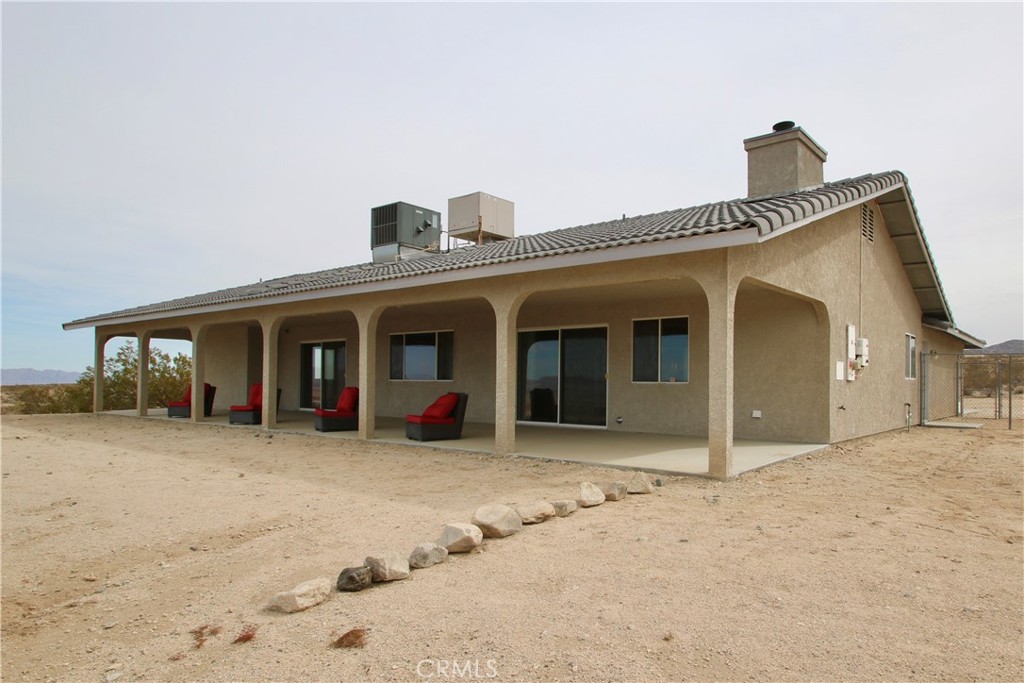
(797, 313)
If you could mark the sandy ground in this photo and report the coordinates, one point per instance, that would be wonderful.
(897, 557)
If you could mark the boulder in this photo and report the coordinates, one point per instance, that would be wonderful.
(564, 508)
(615, 490)
(355, 578)
(427, 555)
(639, 484)
(303, 596)
(589, 495)
(388, 567)
(497, 521)
(458, 537)
(535, 513)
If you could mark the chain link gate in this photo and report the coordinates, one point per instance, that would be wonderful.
(972, 390)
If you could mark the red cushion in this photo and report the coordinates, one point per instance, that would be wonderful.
(179, 404)
(443, 406)
(426, 420)
(334, 413)
(246, 409)
(348, 400)
(255, 396)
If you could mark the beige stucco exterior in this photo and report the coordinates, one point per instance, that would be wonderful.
(767, 328)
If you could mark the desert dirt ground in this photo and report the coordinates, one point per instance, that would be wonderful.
(896, 557)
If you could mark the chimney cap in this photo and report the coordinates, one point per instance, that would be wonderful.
(783, 125)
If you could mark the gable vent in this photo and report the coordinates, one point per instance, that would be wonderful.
(867, 223)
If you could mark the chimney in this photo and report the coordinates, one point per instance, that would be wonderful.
(785, 160)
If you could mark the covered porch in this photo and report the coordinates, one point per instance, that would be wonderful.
(656, 453)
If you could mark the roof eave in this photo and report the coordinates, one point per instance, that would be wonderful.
(718, 240)
(942, 326)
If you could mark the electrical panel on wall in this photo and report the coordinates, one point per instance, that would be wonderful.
(851, 353)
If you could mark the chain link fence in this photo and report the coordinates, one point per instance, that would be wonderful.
(975, 390)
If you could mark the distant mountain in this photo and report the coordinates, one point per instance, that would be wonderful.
(10, 377)
(1007, 347)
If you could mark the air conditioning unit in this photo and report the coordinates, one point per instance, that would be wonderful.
(400, 230)
(481, 217)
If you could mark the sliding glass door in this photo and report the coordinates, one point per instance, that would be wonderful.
(562, 376)
(323, 374)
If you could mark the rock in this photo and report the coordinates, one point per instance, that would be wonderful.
(460, 538)
(355, 578)
(303, 596)
(388, 567)
(427, 555)
(639, 484)
(497, 521)
(615, 490)
(589, 495)
(564, 508)
(535, 513)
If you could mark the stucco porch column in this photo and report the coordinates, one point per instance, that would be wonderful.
(198, 372)
(367, 320)
(506, 314)
(721, 357)
(271, 327)
(142, 380)
(97, 364)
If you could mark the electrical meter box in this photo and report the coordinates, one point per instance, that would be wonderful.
(862, 352)
(481, 215)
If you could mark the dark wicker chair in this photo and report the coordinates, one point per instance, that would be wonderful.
(183, 408)
(345, 416)
(442, 420)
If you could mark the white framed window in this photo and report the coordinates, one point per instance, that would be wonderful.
(910, 357)
(420, 356)
(661, 350)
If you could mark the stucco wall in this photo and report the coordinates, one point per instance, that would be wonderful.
(296, 332)
(860, 283)
(226, 363)
(667, 408)
(473, 372)
(781, 349)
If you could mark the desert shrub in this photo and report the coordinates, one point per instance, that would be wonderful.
(169, 379)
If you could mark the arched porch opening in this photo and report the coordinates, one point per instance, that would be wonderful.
(782, 368)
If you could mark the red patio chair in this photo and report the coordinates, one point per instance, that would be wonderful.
(443, 419)
(183, 408)
(344, 417)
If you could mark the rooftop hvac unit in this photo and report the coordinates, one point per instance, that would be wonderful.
(402, 230)
(481, 217)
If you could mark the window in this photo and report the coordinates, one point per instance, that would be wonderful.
(910, 357)
(661, 350)
(422, 355)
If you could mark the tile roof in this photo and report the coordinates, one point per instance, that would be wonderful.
(765, 214)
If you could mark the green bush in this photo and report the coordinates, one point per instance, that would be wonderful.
(169, 379)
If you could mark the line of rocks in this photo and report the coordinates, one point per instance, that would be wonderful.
(489, 521)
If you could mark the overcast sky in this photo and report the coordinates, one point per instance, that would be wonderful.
(152, 151)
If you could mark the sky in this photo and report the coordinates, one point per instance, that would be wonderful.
(150, 151)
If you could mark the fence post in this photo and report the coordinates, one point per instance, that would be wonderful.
(926, 359)
(1009, 391)
(999, 388)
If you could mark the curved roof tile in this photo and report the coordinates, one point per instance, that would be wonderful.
(765, 214)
